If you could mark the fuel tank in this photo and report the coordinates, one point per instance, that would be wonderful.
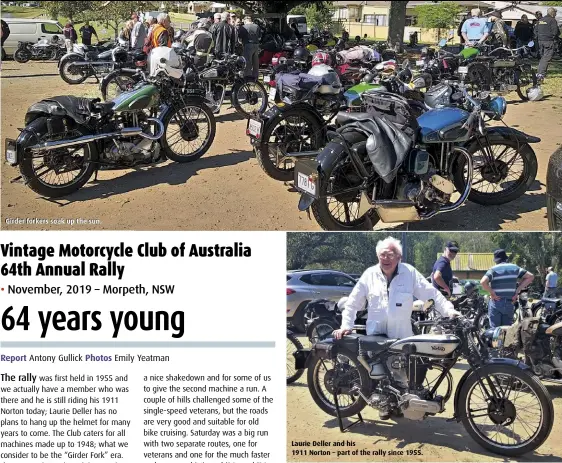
(432, 345)
(443, 125)
(139, 98)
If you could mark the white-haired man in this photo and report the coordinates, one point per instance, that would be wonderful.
(161, 34)
(223, 36)
(389, 289)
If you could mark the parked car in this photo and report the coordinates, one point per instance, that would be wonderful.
(30, 30)
(306, 285)
(554, 191)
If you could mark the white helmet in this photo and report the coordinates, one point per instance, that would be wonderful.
(341, 303)
(330, 80)
(166, 60)
(535, 93)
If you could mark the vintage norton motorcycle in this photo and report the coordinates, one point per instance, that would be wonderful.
(501, 404)
(67, 139)
(387, 165)
(43, 50)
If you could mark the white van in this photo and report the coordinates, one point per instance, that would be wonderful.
(300, 20)
(30, 30)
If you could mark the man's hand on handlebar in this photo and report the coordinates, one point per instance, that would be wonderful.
(338, 334)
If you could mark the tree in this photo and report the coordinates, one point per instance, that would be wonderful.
(271, 6)
(316, 16)
(552, 3)
(396, 24)
(114, 13)
(439, 16)
(68, 9)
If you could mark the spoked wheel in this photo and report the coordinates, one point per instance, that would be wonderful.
(340, 207)
(509, 412)
(344, 373)
(71, 73)
(189, 132)
(482, 323)
(59, 172)
(321, 329)
(249, 97)
(525, 79)
(293, 131)
(293, 345)
(117, 85)
(21, 56)
(503, 171)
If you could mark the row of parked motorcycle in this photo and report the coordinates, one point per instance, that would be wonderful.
(427, 150)
(411, 377)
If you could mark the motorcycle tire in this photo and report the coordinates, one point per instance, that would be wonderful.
(268, 165)
(120, 78)
(292, 341)
(255, 87)
(320, 329)
(322, 402)
(39, 129)
(482, 322)
(538, 311)
(63, 70)
(202, 107)
(21, 56)
(534, 384)
(493, 199)
(523, 95)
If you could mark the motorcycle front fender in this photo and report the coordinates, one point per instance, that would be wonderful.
(489, 363)
(499, 134)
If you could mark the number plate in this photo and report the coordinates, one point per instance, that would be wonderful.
(306, 184)
(254, 128)
(266, 79)
(463, 70)
(420, 62)
(272, 93)
(11, 153)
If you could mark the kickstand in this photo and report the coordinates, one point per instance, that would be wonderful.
(96, 175)
(340, 421)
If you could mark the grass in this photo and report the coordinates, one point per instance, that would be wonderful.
(21, 12)
(553, 82)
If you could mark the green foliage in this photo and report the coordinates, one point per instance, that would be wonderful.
(273, 6)
(552, 3)
(73, 10)
(439, 16)
(319, 16)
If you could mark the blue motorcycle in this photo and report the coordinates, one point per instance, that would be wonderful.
(387, 165)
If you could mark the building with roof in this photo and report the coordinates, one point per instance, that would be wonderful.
(471, 265)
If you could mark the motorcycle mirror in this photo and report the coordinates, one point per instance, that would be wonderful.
(531, 44)
(442, 42)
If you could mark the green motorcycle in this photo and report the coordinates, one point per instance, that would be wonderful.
(67, 139)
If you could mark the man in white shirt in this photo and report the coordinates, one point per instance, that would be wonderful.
(389, 289)
(138, 34)
(551, 283)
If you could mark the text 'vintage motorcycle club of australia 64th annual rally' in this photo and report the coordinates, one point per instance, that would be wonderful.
(434, 128)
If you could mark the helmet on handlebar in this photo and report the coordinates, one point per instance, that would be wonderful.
(301, 54)
(469, 287)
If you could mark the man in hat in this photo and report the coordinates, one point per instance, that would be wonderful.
(547, 34)
(504, 282)
(498, 29)
(551, 283)
(442, 272)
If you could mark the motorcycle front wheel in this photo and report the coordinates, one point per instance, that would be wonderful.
(249, 97)
(506, 178)
(344, 373)
(293, 345)
(122, 81)
(60, 172)
(21, 56)
(189, 132)
(514, 420)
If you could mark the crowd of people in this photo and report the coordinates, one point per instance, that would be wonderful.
(544, 31)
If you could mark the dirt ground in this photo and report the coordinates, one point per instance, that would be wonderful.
(226, 189)
(433, 439)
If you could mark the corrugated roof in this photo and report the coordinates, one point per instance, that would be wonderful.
(472, 261)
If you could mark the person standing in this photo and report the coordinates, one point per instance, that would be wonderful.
(202, 41)
(223, 36)
(86, 32)
(216, 21)
(474, 30)
(551, 283)
(138, 34)
(442, 273)
(523, 31)
(250, 34)
(70, 36)
(547, 34)
(459, 30)
(161, 34)
(5, 35)
(504, 282)
(151, 24)
(498, 29)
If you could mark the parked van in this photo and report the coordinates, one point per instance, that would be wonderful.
(30, 30)
(300, 21)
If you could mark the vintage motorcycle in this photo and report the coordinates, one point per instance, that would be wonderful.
(43, 50)
(497, 399)
(361, 177)
(91, 61)
(67, 139)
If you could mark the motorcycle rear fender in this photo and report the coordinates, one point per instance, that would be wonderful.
(279, 109)
(489, 363)
(77, 55)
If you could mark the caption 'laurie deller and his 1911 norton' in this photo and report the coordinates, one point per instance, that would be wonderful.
(387, 165)
(501, 404)
(67, 139)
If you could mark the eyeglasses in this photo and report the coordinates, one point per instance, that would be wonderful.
(387, 255)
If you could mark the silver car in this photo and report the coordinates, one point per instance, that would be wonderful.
(304, 286)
